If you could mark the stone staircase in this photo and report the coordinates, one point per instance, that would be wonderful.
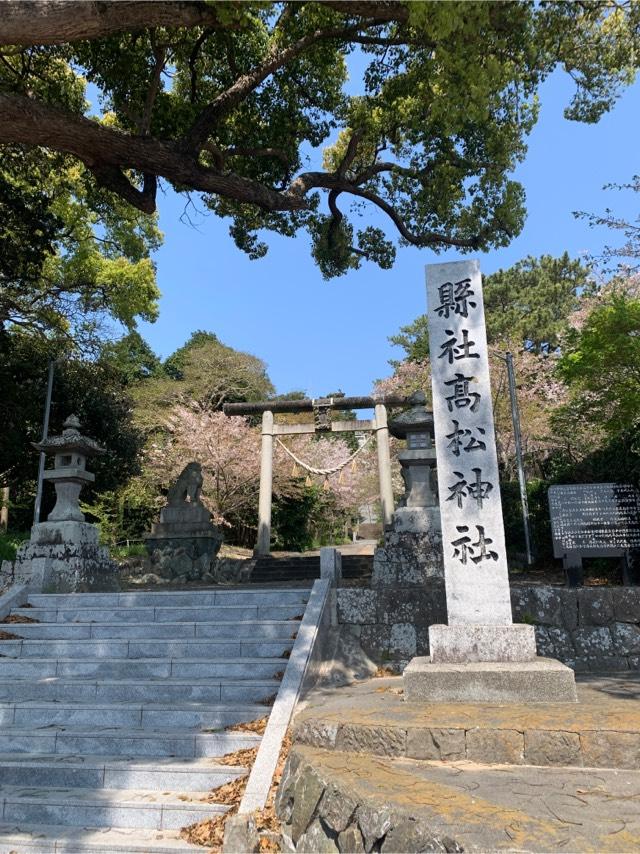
(291, 569)
(114, 711)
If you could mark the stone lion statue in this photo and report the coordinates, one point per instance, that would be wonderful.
(188, 486)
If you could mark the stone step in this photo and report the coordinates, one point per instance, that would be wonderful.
(197, 716)
(51, 839)
(251, 629)
(114, 711)
(96, 772)
(123, 742)
(196, 648)
(150, 691)
(102, 807)
(179, 598)
(165, 614)
(143, 668)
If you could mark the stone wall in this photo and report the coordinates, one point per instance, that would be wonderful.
(321, 813)
(589, 628)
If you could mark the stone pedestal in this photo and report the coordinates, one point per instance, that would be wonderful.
(412, 551)
(65, 557)
(542, 680)
(64, 554)
(460, 644)
(184, 544)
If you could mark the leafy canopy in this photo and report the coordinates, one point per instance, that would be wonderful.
(527, 305)
(94, 390)
(204, 373)
(72, 254)
(601, 365)
(230, 99)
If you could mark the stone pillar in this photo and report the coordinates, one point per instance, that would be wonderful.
(475, 559)
(384, 464)
(480, 655)
(263, 544)
(4, 509)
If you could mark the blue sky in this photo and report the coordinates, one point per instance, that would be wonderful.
(322, 336)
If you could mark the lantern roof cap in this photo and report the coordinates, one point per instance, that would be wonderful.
(70, 440)
(417, 418)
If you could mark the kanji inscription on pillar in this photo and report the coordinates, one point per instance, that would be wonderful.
(475, 561)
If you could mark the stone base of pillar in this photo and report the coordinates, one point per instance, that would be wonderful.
(412, 550)
(543, 680)
(64, 557)
(462, 644)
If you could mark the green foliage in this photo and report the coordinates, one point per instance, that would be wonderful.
(601, 365)
(205, 372)
(290, 527)
(27, 221)
(332, 243)
(125, 513)
(540, 525)
(530, 303)
(414, 340)
(95, 391)
(131, 550)
(73, 253)
(174, 364)
(309, 519)
(132, 357)
(527, 306)
(429, 139)
(614, 459)
(9, 543)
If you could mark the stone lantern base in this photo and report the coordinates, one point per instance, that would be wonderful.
(63, 557)
(412, 550)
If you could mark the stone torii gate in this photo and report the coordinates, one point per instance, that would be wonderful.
(322, 423)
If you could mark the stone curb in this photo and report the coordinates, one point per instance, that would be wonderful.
(573, 747)
(259, 782)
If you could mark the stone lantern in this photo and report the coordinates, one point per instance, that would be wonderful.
(64, 554)
(412, 550)
(69, 473)
(418, 461)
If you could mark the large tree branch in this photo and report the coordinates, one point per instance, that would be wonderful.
(247, 83)
(34, 22)
(109, 152)
(159, 59)
(331, 181)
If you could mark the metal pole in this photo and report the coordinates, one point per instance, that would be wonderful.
(515, 417)
(45, 433)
